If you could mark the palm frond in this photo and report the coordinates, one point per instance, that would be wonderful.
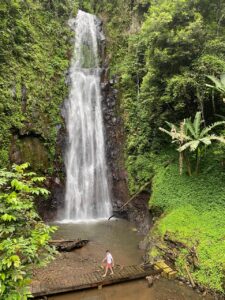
(218, 138)
(222, 79)
(216, 81)
(194, 145)
(171, 125)
(166, 131)
(189, 127)
(209, 128)
(185, 146)
(211, 86)
(206, 141)
(197, 123)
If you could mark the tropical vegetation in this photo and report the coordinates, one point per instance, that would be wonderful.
(23, 235)
(168, 59)
(219, 84)
(190, 136)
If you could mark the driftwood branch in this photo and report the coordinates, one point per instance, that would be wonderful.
(139, 191)
(68, 245)
(189, 276)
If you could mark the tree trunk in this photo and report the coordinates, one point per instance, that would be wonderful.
(188, 164)
(198, 157)
(181, 163)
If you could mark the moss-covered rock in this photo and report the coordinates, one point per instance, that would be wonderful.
(30, 149)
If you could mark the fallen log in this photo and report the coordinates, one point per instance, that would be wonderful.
(68, 245)
(60, 241)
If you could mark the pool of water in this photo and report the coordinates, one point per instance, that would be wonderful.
(121, 238)
(117, 235)
(137, 290)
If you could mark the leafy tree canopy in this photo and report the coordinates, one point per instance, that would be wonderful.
(163, 75)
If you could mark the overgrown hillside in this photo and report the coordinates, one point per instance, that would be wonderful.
(190, 229)
(34, 56)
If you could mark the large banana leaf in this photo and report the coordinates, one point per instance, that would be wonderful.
(167, 132)
(206, 141)
(216, 81)
(209, 128)
(218, 138)
(191, 145)
(197, 123)
(190, 127)
(171, 125)
(219, 83)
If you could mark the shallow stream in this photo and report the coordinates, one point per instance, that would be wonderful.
(121, 238)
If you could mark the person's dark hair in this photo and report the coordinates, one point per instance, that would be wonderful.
(107, 251)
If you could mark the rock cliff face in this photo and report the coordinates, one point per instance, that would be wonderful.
(114, 141)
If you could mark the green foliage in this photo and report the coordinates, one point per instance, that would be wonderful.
(163, 69)
(23, 236)
(171, 190)
(34, 55)
(140, 171)
(190, 135)
(193, 214)
(219, 84)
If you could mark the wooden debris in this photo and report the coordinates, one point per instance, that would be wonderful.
(189, 276)
(68, 245)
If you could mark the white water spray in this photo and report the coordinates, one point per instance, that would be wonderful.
(87, 192)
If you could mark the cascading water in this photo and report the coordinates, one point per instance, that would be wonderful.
(87, 192)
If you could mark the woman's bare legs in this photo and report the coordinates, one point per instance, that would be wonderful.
(106, 270)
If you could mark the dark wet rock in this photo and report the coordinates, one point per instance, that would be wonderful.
(105, 86)
(115, 91)
(143, 245)
(57, 181)
(114, 141)
(150, 280)
(114, 120)
(24, 97)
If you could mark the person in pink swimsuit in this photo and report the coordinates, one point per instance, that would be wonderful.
(109, 263)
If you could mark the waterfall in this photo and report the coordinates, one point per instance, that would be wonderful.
(87, 192)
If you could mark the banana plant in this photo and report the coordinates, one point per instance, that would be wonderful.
(193, 137)
(200, 136)
(179, 135)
